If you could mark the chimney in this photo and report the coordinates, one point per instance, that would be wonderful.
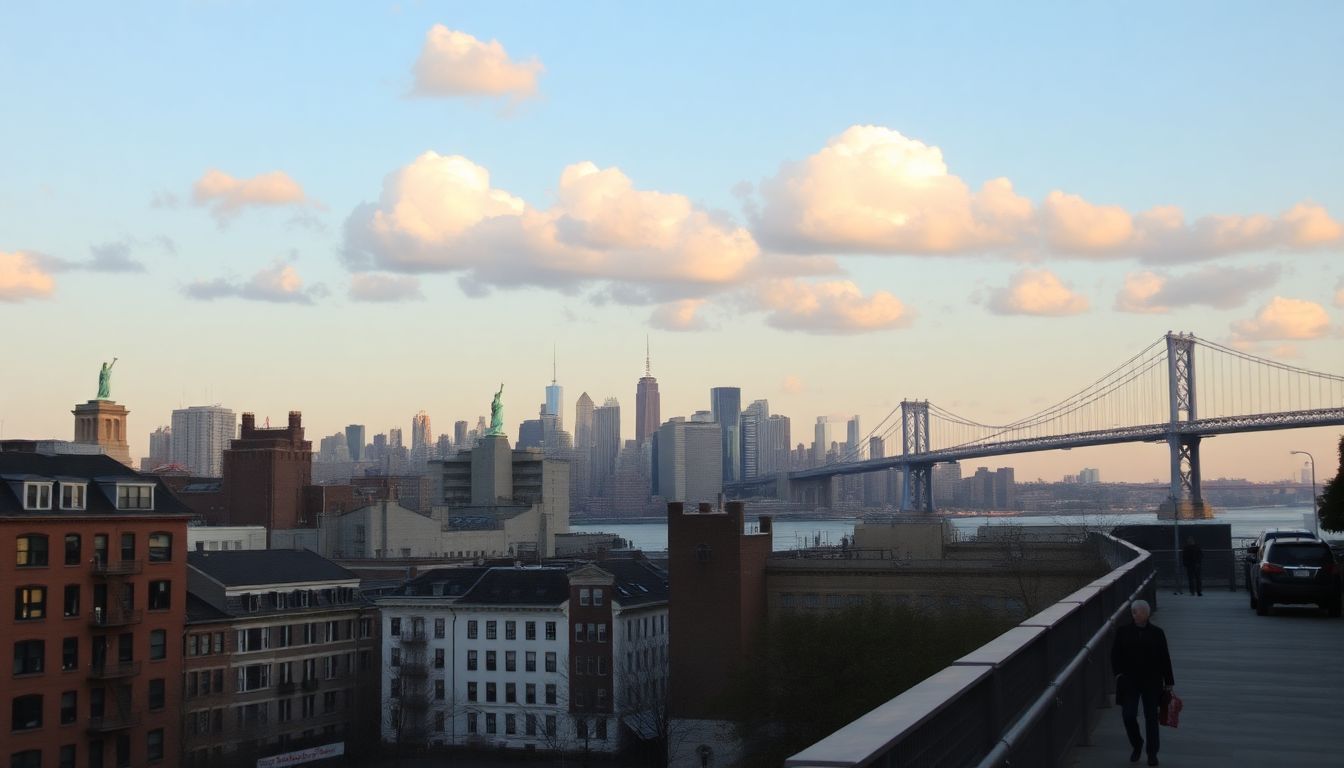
(737, 511)
(295, 419)
(675, 508)
(767, 524)
(249, 423)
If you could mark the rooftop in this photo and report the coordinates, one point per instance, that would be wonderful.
(264, 567)
(99, 471)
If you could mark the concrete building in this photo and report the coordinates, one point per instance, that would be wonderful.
(223, 538)
(725, 405)
(606, 445)
(776, 445)
(160, 450)
(853, 450)
(354, 440)
(582, 468)
(690, 464)
(95, 558)
(753, 422)
(946, 482)
(821, 440)
(281, 656)
(385, 530)
(200, 435)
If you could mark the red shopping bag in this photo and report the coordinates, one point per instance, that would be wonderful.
(1169, 712)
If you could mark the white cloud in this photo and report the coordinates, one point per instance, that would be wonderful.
(681, 315)
(873, 190)
(280, 283)
(384, 288)
(836, 306)
(792, 385)
(1339, 293)
(1036, 292)
(1284, 319)
(1217, 287)
(226, 195)
(22, 277)
(454, 63)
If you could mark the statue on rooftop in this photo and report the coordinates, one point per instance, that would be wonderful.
(497, 413)
(105, 380)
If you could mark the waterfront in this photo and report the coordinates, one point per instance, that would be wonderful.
(789, 534)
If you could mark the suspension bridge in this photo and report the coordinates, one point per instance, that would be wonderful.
(1178, 390)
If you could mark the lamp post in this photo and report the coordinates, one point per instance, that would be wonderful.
(1315, 511)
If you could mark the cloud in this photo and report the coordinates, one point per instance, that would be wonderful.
(1285, 319)
(829, 307)
(280, 283)
(1339, 293)
(1217, 287)
(679, 316)
(22, 277)
(792, 385)
(164, 199)
(441, 213)
(113, 257)
(873, 190)
(1036, 292)
(227, 196)
(454, 63)
(384, 288)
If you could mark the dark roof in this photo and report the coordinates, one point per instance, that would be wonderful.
(445, 582)
(246, 567)
(520, 586)
(637, 580)
(200, 612)
(100, 471)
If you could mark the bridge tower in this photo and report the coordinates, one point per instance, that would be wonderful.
(1187, 499)
(917, 493)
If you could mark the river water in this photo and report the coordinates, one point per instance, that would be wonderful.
(1246, 522)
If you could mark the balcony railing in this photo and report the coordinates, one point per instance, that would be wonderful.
(414, 637)
(114, 669)
(101, 567)
(114, 617)
(114, 722)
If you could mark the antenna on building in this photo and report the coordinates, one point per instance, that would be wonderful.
(647, 370)
(553, 366)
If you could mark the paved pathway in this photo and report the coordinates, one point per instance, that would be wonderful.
(1259, 691)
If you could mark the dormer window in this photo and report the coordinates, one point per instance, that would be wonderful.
(72, 495)
(37, 495)
(135, 496)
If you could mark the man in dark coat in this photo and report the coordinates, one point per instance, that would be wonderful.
(1142, 669)
(1192, 557)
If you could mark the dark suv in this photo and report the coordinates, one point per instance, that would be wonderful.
(1295, 571)
(1253, 551)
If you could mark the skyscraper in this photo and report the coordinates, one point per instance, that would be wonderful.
(581, 469)
(460, 435)
(776, 444)
(555, 398)
(606, 444)
(725, 403)
(853, 441)
(200, 435)
(421, 437)
(821, 440)
(160, 448)
(354, 440)
(648, 407)
(690, 465)
(753, 425)
(394, 438)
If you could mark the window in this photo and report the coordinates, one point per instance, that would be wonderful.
(439, 626)
(365, 628)
(550, 661)
(510, 630)
(329, 702)
(471, 691)
(30, 603)
(66, 757)
(253, 678)
(72, 495)
(601, 698)
(69, 707)
(578, 633)
(530, 662)
(601, 665)
(471, 660)
(135, 497)
(510, 661)
(158, 644)
(490, 630)
(396, 657)
(510, 693)
(438, 658)
(601, 633)
(72, 549)
(29, 657)
(550, 630)
(154, 744)
(581, 727)
(160, 547)
(32, 551)
(160, 595)
(37, 495)
(471, 722)
(489, 661)
(530, 693)
(489, 693)
(530, 630)
(69, 654)
(550, 725)
(592, 632)
(531, 721)
(71, 605)
(395, 627)
(100, 547)
(489, 722)
(255, 639)
(510, 724)
(438, 690)
(585, 597)
(601, 721)
(597, 597)
(438, 721)
(471, 629)
(28, 758)
(128, 546)
(26, 712)
(156, 693)
(550, 693)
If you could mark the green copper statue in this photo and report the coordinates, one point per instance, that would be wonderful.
(497, 413)
(105, 381)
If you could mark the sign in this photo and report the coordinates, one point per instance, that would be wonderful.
(303, 756)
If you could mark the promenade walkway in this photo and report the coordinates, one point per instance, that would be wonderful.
(1259, 691)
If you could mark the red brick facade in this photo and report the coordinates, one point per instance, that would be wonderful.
(265, 472)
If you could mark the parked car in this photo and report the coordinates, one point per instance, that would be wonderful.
(1253, 551)
(1295, 571)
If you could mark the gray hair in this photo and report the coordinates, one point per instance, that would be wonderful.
(1141, 605)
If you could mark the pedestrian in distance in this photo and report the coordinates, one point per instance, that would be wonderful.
(1192, 557)
(1142, 668)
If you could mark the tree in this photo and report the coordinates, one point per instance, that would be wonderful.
(1332, 498)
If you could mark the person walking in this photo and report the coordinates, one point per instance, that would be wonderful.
(1192, 557)
(1141, 664)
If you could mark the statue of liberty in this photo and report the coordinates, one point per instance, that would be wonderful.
(497, 413)
(105, 381)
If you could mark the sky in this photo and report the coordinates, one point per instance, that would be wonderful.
(363, 210)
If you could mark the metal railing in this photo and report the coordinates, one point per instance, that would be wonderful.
(114, 669)
(114, 617)
(1024, 698)
(99, 567)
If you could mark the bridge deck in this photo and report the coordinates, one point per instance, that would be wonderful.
(1258, 690)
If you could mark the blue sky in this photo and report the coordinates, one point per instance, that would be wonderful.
(744, 119)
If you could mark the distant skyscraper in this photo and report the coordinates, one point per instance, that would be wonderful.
(444, 448)
(702, 417)
(775, 445)
(555, 398)
(200, 435)
(1005, 488)
(354, 440)
(690, 462)
(421, 437)
(394, 438)
(606, 444)
(726, 405)
(753, 422)
(945, 480)
(853, 449)
(460, 435)
(378, 449)
(875, 484)
(821, 440)
(648, 407)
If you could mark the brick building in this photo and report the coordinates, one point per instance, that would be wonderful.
(93, 563)
(265, 471)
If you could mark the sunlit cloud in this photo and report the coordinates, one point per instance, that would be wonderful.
(1036, 292)
(681, 315)
(279, 284)
(832, 307)
(1213, 286)
(454, 63)
(1284, 319)
(376, 287)
(792, 385)
(22, 277)
(226, 196)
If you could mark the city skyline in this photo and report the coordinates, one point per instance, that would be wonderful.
(831, 233)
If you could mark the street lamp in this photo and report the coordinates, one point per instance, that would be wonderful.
(1315, 512)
